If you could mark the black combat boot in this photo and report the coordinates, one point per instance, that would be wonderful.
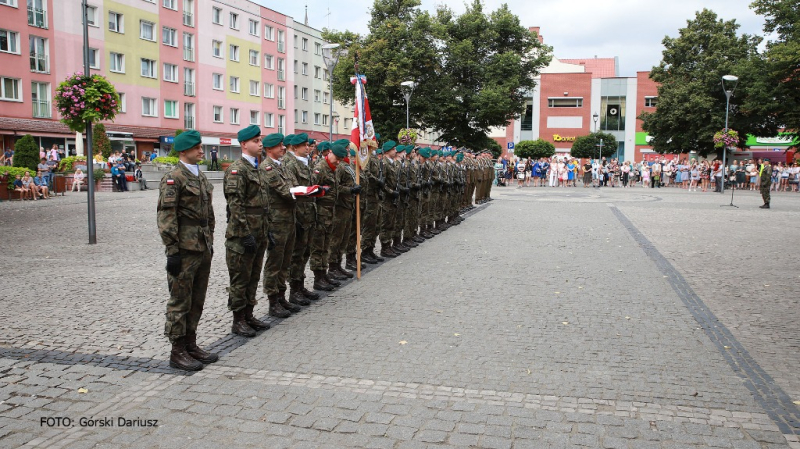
(426, 232)
(334, 273)
(252, 321)
(342, 271)
(308, 294)
(196, 352)
(275, 308)
(181, 359)
(387, 251)
(296, 295)
(240, 326)
(434, 229)
(320, 283)
(375, 256)
(410, 243)
(334, 282)
(765, 206)
(286, 304)
(351, 263)
(399, 248)
(418, 238)
(367, 257)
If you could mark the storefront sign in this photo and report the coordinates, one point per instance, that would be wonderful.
(224, 141)
(558, 138)
(166, 139)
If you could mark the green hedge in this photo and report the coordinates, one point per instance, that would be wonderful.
(166, 160)
(13, 172)
(67, 164)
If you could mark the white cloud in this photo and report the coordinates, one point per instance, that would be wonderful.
(630, 29)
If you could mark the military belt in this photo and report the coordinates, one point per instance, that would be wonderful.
(192, 222)
(256, 210)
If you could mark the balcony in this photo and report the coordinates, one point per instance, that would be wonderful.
(281, 103)
(188, 122)
(188, 19)
(41, 109)
(188, 54)
(188, 89)
(39, 63)
(37, 17)
(281, 75)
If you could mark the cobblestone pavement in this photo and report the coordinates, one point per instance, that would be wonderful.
(549, 318)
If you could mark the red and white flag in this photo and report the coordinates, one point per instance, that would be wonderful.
(363, 133)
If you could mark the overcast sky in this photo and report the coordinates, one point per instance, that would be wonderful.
(630, 29)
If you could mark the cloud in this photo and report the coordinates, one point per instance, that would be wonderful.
(630, 29)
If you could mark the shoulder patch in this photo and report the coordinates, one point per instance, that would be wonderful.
(234, 172)
(170, 182)
(269, 167)
(316, 172)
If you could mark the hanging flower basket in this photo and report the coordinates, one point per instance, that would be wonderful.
(82, 98)
(408, 136)
(726, 138)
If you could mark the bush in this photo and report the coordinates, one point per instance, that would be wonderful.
(166, 160)
(534, 149)
(26, 153)
(586, 146)
(100, 141)
(67, 164)
(494, 147)
(99, 174)
(13, 172)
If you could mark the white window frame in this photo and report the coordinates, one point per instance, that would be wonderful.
(153, 32)
(170, 4)
(153, 106)
(650, 101)
(254, 27)
(166, 32)
(233, 52)
(253, 58)
(170, 77)
(317, 96)
(91, 12)
(304, 93)
(4, 95)
(217, 112)
(233, 83)
(177, 105)
(269, 33)
(257, 114)
(325, 96)
(269, 62)
(94, 53)
(217, 77)
(281, 97)
(153, 72)
(234, 116)
(10, 33)
(304, 43)
(217, 45)
(565, 102)
(119, 22)
(324, 119)
(46, 55)
(120, 57)
(281, 69)
(304, 68)
(233, 21)
(216, 13)
(123, 102)
(304, 116)
(11, 3)
(257, 85)
(317, 72)
(317, 48)
(317, 118)
(269, 90)
(281, 123)
(269, 120)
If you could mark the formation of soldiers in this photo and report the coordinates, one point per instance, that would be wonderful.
(406, 195)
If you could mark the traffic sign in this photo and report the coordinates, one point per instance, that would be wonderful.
(510, 145)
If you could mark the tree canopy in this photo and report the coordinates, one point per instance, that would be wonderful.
(588, 146)
(534, 149)
(26, 153)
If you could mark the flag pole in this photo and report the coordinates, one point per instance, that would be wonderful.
(358, 200)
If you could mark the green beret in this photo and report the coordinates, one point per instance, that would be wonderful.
(409, 149)
(323, 146)
(379, 151)
(377, 136)
(401, 148)
(389, 145)
(248, 133)
(339, 148)
(311, 141)
(459, 157)
(300, 139)
(272, 140)
(425, 152)
(288, 140)
(186, 140)
(352, 152)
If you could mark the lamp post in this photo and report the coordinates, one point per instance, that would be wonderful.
(596, 117)
(732, 82)
(89, 156)
(330, 54)
(408, 89)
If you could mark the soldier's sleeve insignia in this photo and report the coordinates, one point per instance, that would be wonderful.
(234, 172)
(316, 172)
(269, 168)
(170, 182)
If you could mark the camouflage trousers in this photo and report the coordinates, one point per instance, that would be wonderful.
(352, 238)
(301, 251)
(279, 258)
(388, 217)
(399, 219)
(425, 209)
(342, 221)
(370, 220)
(320, 241)
(411, 219)
(244, 271)
(765, 194)
(187, 294)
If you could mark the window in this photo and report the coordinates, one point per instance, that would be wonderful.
(269, 90)
(325, 97)
(254, 88)
(188, 82)
(281, 124)
(115, 22)
(650, 102)
(305, 44)
(253, 57)
(295, 92)
(117, 63)
(146, 30)
(281, 43)
(188, 47)
(188, 116)
(10, 89)
(269, 33)
(269, 120)
(234, 81)
(216, 79)
(234, 21)
(149, 107)
(253, 30)
(612, 113)
(317, 72)
(317, 118)
(305, 68)
(91, 14)
(9, 41)
(217, 114)
(317, 95)
(123, 103)
(188, 13)
(295, 41)
(40, 98)
(37, 13)
(233, 51)
(295, 66)
(281, 97)
(216, 49)
(171, 4)
(170, 109)
(254, 117)
(39, 51)
(216, 15)
(9, 3)
(234, 116)
(305, 116)
(304, 93)
(268, 62)
(295, 116)
(325, 119)
(317, 48)
(325, 74)
(169, 36)
(346, 123)
(170, 72)
(565, 102)
(94, 58)
(149, 69)
(281, 69)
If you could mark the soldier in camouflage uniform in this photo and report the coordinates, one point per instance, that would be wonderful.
(186, 224)
(391, 199)
(346, 195)
(352, 239)
(282, 227)
(765, 182)
(403, 186)
(246, 236)
(425, 192)
(374, 195)
(324, 174)
(412, 218)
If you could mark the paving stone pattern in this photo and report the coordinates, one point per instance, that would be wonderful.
(546, 319)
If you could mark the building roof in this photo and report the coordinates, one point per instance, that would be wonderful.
(598, 67)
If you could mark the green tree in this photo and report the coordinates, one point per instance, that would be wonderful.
(534, 149)
(100, 140)
(26, 153)
(172, 152)
(494, 147)
(588, 146)
(691, 102)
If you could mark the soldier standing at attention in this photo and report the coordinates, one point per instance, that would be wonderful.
(405, 195)
(324, 174)
(346, 195)
(281, 227)
(391, 195)
(425, 198)
(246, 236)
(186, 224)
(371, 214)
(765, 175)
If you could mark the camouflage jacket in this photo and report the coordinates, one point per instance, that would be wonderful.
(306, 210)
(389, 177)
(246, 192)
(371, 172)
(281, 201)
(185, 214)
(345, 179)
(323, 175)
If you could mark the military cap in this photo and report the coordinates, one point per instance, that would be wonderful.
(425, 152)
(288, 140)
(186, 140)
(248, 133)
(459, 157)
(272, 140)
(379, 151)
(377, 136)
(324, 146)
(352, 152)
(300, 139)
(339, 149)
(389, 145)
(409, 149)
(311, 141)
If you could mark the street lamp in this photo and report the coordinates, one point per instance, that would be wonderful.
(732, 82)
(330, 54)
(408, 88)
(89, 155)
